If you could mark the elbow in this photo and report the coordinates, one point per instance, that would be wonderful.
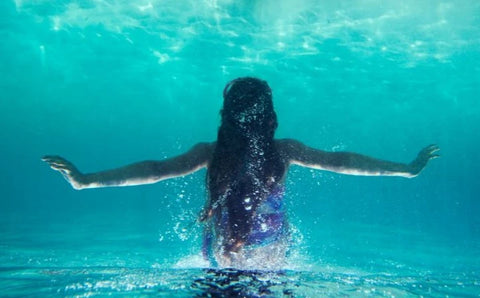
(79, 182)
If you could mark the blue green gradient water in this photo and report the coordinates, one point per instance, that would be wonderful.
(105, 83)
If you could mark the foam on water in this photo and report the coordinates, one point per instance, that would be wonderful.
(186, 283)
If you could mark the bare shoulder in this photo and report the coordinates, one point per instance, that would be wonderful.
(289, 148)
(203, 150)
(286, 145)
(205, 146)
(295, 152)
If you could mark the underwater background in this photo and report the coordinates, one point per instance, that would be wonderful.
(109, 82)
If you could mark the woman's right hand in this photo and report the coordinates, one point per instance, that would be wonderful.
(67, 169)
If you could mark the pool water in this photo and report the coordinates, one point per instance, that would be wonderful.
(107, 83)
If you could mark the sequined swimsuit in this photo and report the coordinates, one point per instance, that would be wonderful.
(269, 225)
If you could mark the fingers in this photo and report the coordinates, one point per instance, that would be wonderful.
(58, 163)
(430, 152)
(433, 148)
(53, 158)
(64, 170)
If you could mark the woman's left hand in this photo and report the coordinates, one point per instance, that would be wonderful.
(426, 154)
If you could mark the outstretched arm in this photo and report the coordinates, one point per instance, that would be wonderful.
(145, 172)
(353, 163)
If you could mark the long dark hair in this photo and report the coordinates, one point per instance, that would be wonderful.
(245, 165)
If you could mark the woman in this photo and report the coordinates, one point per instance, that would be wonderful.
(245, 222)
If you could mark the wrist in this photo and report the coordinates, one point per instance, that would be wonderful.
(414, 169)
(79, 182)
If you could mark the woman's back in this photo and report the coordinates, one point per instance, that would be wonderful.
(246, 167)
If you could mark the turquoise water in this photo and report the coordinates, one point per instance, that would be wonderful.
(105, 83)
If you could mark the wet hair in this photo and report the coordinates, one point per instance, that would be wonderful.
(245, 165)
